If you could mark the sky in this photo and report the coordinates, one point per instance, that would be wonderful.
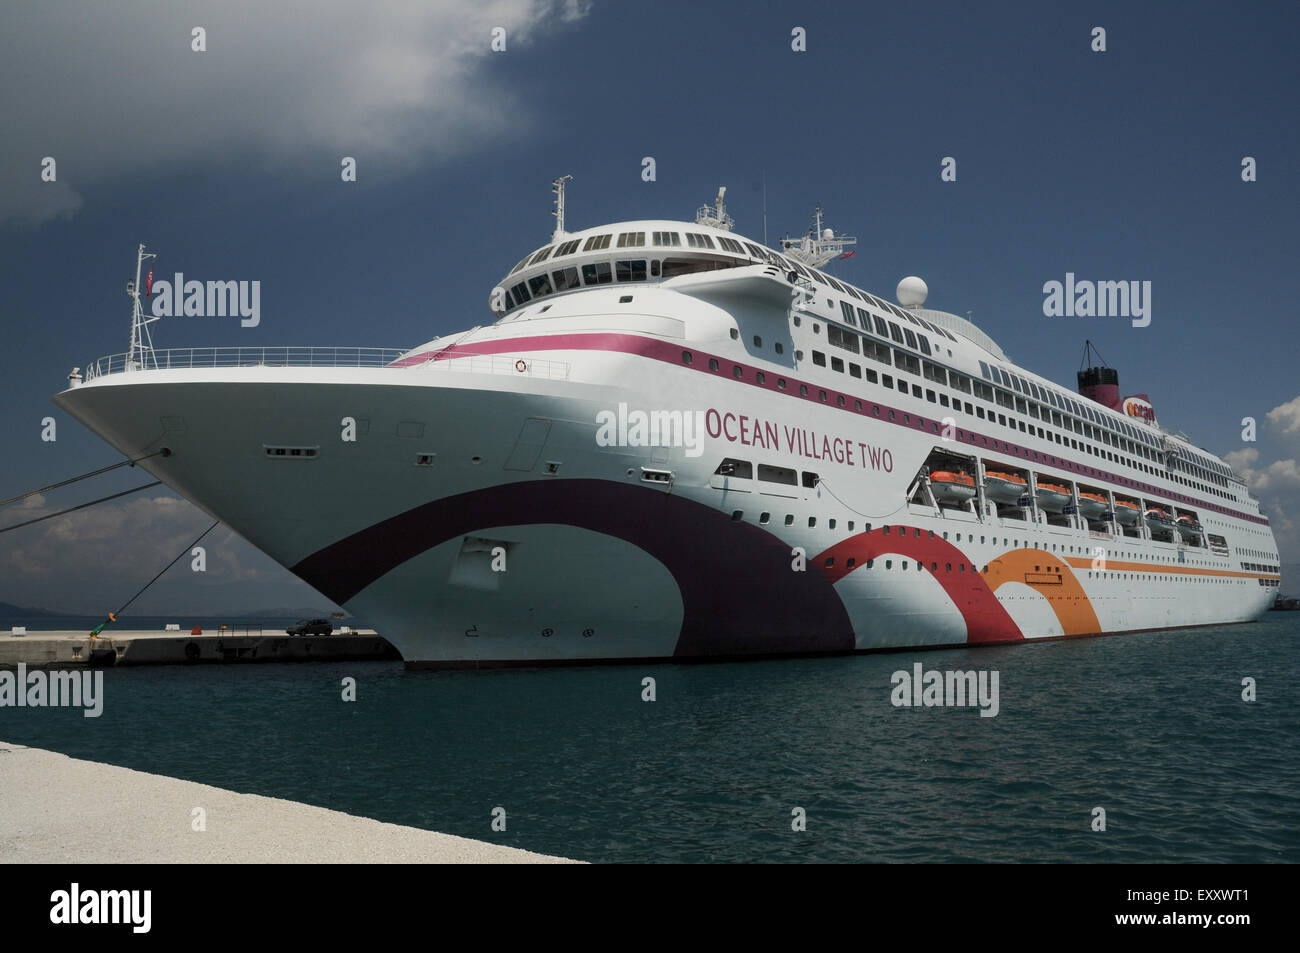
(1117, 164)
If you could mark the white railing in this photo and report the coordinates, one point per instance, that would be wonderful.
(184, 358)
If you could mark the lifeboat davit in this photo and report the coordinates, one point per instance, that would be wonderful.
(1004, 488)
(1189, 528)
(1053, 497)
(1127, 512)
(952, 486)
(1092, 505)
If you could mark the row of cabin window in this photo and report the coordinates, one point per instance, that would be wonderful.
(1135, 440)
(908, 362)
(883, 305)
(849, 341)
(1257, 567)
(1131, 443)
(765, 518)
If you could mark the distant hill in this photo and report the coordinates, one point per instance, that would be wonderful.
(9, 610)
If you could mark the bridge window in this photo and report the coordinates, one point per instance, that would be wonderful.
(631, 240)
(597, 273)
(540, 285)
(567, 248)
(597, 242)
(520, 293)
(668, 239)
(630, 270)
(566, 278)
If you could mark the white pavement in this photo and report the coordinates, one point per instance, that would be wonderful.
(56, 809)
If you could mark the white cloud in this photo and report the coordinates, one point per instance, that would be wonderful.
(1286, 416)
(1241, 460)
(114, 89)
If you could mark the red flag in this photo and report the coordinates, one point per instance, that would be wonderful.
(849, 254)
(148, 284)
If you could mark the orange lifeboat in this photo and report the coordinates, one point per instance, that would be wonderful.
(1092, 505)
(1127, 512)
(1004, 488)
(1053, 497)
(952, 486)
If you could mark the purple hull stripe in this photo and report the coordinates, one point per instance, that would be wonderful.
(739, 593)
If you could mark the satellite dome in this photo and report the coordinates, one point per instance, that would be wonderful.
(912, 292)
(827, 234)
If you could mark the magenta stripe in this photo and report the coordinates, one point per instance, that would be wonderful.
(671, 353)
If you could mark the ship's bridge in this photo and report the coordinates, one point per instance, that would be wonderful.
(639, 251)
(655, 250)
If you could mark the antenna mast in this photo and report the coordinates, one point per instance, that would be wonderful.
(819, 246)
(557, 186)
(141, 340)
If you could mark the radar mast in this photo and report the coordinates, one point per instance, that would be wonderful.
(819, 246)
(715, 215)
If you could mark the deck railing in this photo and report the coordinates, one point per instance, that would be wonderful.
(184, 358)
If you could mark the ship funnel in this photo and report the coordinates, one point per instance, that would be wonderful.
(1100, 384)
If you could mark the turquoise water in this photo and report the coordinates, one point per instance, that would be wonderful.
(1150, 727)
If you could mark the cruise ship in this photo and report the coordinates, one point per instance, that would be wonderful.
(673, 442)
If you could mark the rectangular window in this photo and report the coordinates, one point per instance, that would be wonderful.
(837, 364)
(935, 373)
(911, 338)
(881, 328)
(631, 240)
(597, 273)
(961, 382)
(740, 469)
(778, 475)
(896, 332)
(847, 310)
(630, 270)
(540, 285)
(925, 343)
(984, 370)
(819, 358)
(668, 239)
(597, 242)
(566, 278)
(520, 291)
(855, 370)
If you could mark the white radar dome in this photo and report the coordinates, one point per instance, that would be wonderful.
(827, 234)
(912, 292)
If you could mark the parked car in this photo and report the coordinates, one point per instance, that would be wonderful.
(311, 627)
